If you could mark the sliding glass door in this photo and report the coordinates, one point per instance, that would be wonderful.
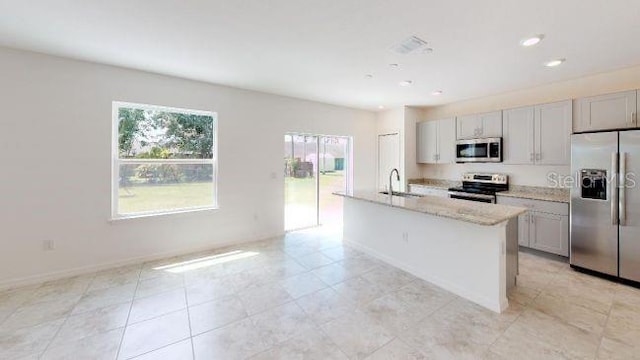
(315, 166)
(333, 165)
(300, 181)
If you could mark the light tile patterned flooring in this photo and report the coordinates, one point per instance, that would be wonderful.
(306, 296)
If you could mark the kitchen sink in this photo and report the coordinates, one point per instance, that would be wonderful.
(402, 194)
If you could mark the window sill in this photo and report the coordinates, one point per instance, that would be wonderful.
(116, 219)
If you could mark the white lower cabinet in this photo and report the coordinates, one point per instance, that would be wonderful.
(523, 229)
(549, 232)
(544, 227)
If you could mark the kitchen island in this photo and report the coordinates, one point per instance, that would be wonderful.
(468, 248)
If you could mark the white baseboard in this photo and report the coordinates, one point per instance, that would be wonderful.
(61, 274)
(446, 285)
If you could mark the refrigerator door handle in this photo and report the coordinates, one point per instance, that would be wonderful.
(614, 188)
(622, 211)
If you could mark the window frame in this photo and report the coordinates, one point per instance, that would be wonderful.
(116, 161)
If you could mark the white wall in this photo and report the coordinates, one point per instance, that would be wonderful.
(411, 117)
(56, 164)
(614, 81)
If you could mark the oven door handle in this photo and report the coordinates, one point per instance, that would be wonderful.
(470, 195)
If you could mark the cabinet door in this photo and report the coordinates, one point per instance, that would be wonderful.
(549, 232)
(610, 111)
(427, 142)
(446, 141)
(490, 124)
(523, 229)
(468, 127)
(517, 141)
(553, 133)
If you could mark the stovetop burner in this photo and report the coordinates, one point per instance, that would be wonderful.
(482, 183)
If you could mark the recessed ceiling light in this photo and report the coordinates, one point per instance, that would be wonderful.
(436, 93)
(554, 63)
(368, 76)
(405, 83)
(380, 107)
(393, 66)
(532, 40)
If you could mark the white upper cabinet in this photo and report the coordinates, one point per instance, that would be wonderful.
(553, 133)
(606, 112)
(517, 131)
(427, 142)
(538, 134)
(479, 125)
(491, 124)
(436, 141)
(468, 127)
(447, 141)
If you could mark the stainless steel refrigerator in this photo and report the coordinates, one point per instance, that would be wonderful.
(605, 203)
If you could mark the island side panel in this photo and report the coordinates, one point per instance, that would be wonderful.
(464, 258)
(512, 253)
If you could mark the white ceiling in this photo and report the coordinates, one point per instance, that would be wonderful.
(321, 50)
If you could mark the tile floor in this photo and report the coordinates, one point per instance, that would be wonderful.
(306, 296)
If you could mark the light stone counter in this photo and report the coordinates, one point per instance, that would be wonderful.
(518, 191)
(463, 210)
(537, 193)
(435, 183)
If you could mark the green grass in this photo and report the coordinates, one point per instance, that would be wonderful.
(300, 200)
(298, 192)
(144, 198)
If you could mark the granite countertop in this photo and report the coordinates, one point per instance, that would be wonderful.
(463, 210)
(537, 193)
(518, 191)
(435, 183)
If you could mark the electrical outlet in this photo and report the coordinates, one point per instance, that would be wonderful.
(405, 237)
(48, 245)
(274, 175)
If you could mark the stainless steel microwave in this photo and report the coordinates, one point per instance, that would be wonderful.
(479, 150)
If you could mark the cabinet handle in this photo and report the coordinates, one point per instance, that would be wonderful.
(633, 117)
(531, 157)
(538, 156)
(533, 219)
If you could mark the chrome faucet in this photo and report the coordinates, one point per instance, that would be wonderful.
(390, 183)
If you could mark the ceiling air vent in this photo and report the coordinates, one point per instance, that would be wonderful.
(410, 46)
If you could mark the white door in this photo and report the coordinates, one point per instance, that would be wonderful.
(490, 124)
(468, 127)
(553, 133)
(388, 159)
(517, 143)
(446, 141)
(427, 142)
(607, 112)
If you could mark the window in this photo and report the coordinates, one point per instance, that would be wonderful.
(164, 160)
